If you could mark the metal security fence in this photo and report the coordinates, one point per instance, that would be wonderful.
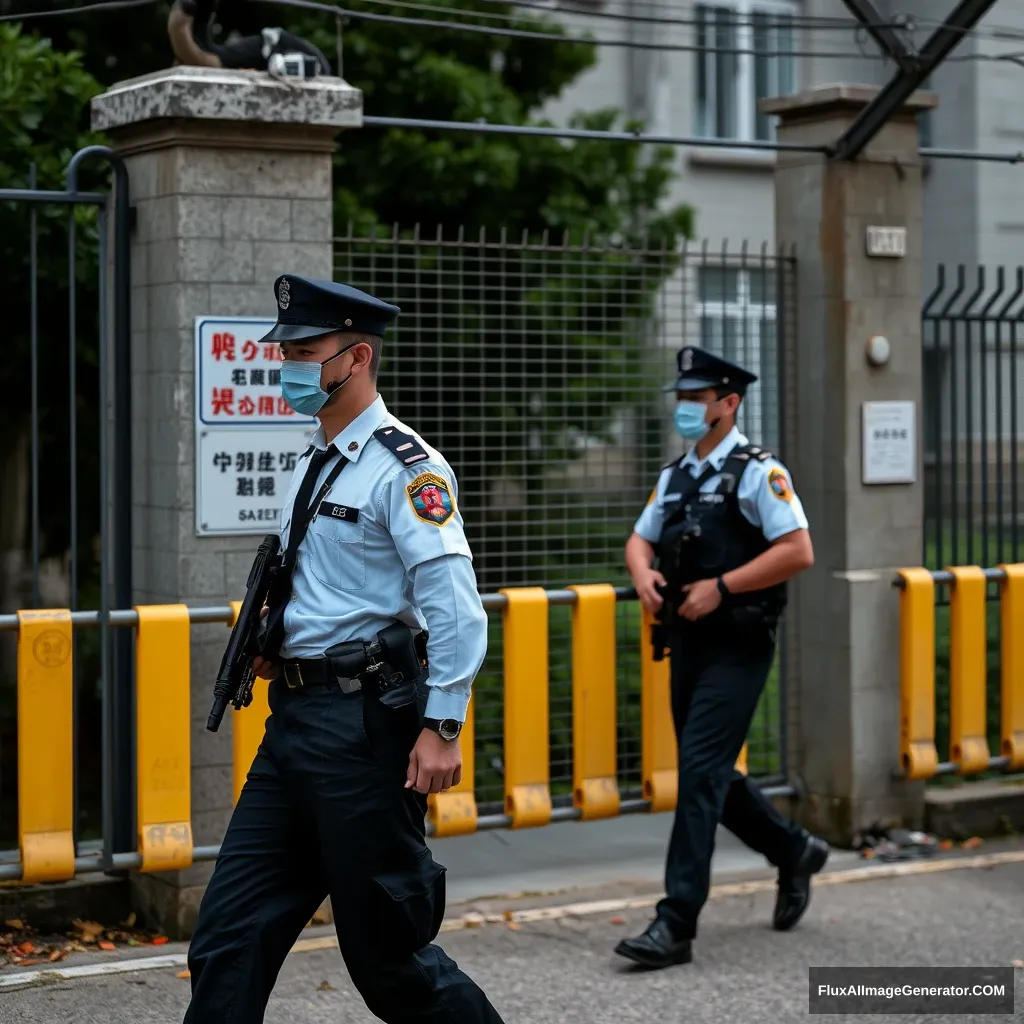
(973, 392)
(972, 334)
(536, 365)
(65, 467)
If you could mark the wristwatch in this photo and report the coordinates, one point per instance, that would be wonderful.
(722, 588)
(446, 728)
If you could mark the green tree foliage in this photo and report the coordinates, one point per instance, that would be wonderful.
(43, 96)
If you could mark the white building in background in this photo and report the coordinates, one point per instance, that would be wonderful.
(974, 213)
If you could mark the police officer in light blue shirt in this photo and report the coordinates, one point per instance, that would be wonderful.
(728, 531)
(372, 639)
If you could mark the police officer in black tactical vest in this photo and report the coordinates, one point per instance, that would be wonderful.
(728, 531)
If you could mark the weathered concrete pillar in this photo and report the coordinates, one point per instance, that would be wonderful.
(231, 185)
(856, 465)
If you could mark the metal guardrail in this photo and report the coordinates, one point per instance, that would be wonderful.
(47, 848)
(968, 671)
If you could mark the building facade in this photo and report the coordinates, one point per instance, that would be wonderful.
(696, 68)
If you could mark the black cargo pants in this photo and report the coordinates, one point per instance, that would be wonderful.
(717, 676)
(324, 810)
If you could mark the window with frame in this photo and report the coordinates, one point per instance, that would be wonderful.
(736, 313)
(745, 52)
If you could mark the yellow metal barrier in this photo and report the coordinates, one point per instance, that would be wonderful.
(594, 769)
(45, 746)
(454, 813)
(658, 756)
(163, 738)
(968, 746)
(527, 753)
(918, 755)
(247, 725)
(1012, 664)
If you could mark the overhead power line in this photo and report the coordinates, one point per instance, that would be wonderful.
(465, 26)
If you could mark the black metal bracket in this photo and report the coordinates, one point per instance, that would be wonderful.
(883, 33)
(870, 121)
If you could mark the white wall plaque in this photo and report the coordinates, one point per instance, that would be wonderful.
(242, 477)
(889, 443)
(887, 241)
(247, 438)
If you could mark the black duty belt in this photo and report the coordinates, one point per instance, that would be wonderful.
(303, 673)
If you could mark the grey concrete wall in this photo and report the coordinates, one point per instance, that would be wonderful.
(222, 208)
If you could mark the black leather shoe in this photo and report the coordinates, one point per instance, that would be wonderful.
(657, 947)
(795, 884)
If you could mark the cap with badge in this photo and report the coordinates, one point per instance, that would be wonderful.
(699, 369)
(310, 309)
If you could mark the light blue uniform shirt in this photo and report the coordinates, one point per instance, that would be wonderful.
(395, 561)
(765, 493)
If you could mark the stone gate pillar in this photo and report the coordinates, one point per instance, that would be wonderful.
(853, 423)
(231, 185)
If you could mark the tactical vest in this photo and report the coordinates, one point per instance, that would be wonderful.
(706, 535)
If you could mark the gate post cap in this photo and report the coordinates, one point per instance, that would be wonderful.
(223, 94)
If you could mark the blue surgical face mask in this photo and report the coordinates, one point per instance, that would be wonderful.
(689, 420)
(300, 384)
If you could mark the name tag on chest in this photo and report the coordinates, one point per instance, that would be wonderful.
(350, 515)
(710, 499)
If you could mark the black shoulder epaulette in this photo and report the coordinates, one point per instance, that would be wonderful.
(403, 446)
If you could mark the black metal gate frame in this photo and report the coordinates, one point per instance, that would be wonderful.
(118, 734)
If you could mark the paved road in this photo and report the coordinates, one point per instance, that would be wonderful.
(580, 854)
(562, 970)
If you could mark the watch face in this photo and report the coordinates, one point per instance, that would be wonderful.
(449, 729)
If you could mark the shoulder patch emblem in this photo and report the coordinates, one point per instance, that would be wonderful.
(778, 483)
(431, 498)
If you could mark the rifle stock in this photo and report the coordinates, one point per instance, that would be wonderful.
(235, 677)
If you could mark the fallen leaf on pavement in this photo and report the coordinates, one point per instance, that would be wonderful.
(17, 925)
(946, 844)
(160, 940)
(513, 925)
(325, 986)
(107, 945)
(129, 921)
(507, 915)
(58, 954)
(970, 844)
(617, 920)
(31, 961)
(88, 931)
(184, 974)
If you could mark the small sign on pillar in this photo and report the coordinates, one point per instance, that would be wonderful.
(889, 443)
(886, 241)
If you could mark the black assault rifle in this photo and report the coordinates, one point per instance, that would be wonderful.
(236, 677)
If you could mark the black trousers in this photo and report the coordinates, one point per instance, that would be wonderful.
(324, 811)
(717, 677)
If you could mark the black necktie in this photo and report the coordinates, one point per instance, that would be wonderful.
(300, 507)
(301, 514)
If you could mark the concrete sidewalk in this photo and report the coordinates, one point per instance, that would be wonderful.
(627, 852)
(553, 966)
